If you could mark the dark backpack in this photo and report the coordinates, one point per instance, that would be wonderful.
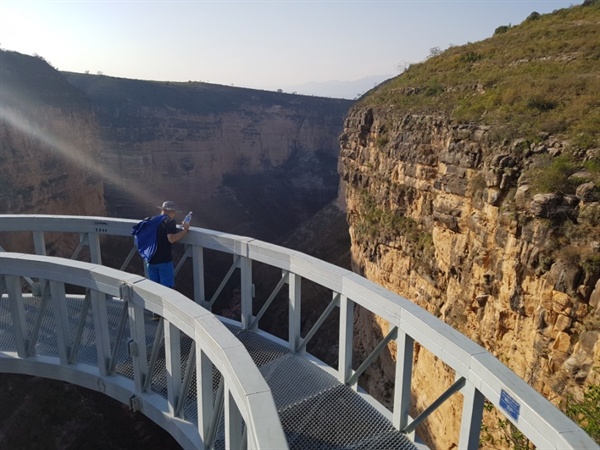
(144, 235)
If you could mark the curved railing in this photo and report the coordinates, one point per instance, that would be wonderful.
(479, 375)
(242, 399)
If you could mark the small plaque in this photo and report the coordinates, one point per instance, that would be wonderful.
(510, 405)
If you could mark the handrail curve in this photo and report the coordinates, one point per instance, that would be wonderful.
(480, 376)
(243, 381)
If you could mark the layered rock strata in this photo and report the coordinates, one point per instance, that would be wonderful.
(49, 145)
(443, 214)
(245, 161)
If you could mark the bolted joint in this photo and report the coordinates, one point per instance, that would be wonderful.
(135, 403)
(133, 348)
(126, 292)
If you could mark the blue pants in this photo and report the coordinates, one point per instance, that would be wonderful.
(162, 273)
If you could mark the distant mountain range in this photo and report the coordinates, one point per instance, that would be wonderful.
(337, 89)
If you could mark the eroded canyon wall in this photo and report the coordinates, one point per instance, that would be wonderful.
(49, 144)
(493, 226)
(245, 161)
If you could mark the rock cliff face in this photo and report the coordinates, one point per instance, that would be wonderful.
(49, 143)
(498, 235)
(440, 214)
(245, 161)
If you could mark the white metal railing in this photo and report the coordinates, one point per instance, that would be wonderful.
(479, 375)
(251, 419)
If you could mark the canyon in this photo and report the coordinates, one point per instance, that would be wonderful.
(492, 224)
(244, 161)
(470, 184)
(248, 162)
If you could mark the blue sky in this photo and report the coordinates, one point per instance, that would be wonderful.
(258, 44)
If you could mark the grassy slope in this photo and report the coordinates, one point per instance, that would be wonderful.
(540, 76)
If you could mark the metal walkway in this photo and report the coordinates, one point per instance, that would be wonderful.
(216, 384)
(316, 410)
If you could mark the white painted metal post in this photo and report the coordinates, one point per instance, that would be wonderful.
(173, 365)
(204, 393)
(246, 291)
(404, 363)
(101, 331)
(61, 318)
(95, 252)
(233, 423)
(39, 243)
(17, 314)
(198, 265)
(345, 338)
(472, 415)
(295, 282)
(137, 345)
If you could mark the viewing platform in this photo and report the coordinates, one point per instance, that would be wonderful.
(220, 383)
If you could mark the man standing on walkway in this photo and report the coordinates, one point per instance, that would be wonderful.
(160, 266)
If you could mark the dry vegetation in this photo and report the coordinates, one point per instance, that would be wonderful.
(542, 76)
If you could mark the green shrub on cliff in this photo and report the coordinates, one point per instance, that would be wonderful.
(539, 76)
(553, 175)
(563, 174)
(587, 411)
(376, 222)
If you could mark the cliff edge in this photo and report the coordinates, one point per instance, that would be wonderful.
(472, 187)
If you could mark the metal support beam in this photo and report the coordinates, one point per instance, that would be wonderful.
(215, 418)
(345, 338)
(61, 318)
(404, 364)
(335, 301)
(95, 252)
(187, 381)
(472, 416)
(284, 279)
(457, 386)
(138, 335)
(233, 423)
(198, 274)
(373, 356)
(247, 291)
(224, 282)
(204, 396)
(186, 254)
(130, 256)
(156, 345)
(39, 315)
(83, 240)
(76, 341)
(39, 243)
(12, 285)
(295, 311)
(119, 339)
(101, 332)
(173, 365)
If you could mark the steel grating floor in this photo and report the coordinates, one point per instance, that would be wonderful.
(316, 410)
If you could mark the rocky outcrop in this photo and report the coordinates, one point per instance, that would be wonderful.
(245, 161)
(444, 215)
(472, 186)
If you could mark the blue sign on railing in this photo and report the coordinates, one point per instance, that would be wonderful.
(510, 405)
